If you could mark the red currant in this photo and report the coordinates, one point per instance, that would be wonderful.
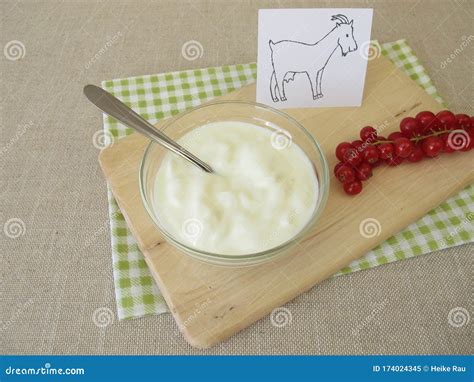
(385, 150)
(368, 133)
(376, 164)
(447, 146)
(426, 135)
(353, 188)
(466, 144)
(403, 147)
(410, 127)
(463, 121)
(352, 157)
(470, 131)
(427, 121)
(447, 119)
(337, 166)
(364, 171)
(345, 174)
(371, 154)
(394, 161)
(395, 135)
(341, 149)
(432, 146)
(416, 155)
(359, 145)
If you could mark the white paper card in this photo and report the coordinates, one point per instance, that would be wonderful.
(312, 57)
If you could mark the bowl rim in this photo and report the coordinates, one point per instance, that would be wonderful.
(257, 256)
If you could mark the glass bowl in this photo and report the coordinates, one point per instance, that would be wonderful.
(254, 113)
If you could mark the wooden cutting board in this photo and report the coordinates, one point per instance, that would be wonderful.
(211, 303)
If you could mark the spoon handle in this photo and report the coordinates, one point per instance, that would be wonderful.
(117, 109)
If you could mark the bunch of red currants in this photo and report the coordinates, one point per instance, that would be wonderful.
(425, 136)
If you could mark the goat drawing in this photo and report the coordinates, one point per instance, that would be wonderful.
(312, 58)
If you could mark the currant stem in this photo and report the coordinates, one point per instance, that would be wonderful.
(416, 139)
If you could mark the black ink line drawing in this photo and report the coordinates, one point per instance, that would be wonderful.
(313, 57)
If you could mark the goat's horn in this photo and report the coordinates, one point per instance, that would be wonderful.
(336, 18)
(343, 17)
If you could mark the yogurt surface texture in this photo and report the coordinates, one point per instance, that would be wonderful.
(263, 193)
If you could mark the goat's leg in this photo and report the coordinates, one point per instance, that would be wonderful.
(319, 79)
(312, 81)
(280, 84)
(273, 87)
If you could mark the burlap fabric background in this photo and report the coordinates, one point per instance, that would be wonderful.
(58, 272)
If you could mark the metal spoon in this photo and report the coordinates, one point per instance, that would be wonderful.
(117, 109)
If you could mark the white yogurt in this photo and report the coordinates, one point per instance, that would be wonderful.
(264, 193)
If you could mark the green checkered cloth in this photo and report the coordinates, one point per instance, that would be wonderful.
(160, 96)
